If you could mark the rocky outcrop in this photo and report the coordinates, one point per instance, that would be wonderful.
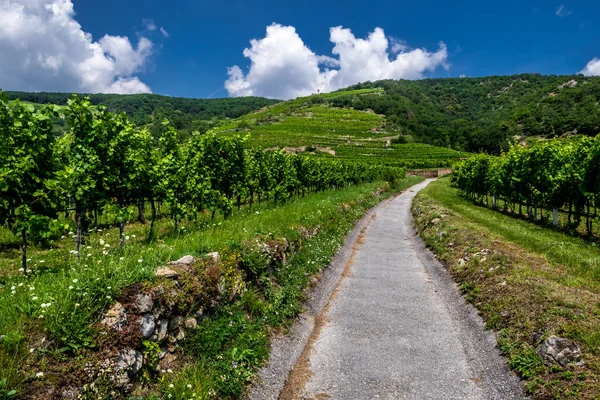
(557, 350)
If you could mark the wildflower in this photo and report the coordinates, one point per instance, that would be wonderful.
(39, 375)
(75, 280)
(29, 259)
(70, 287)
(189, 386)
(20, 284)
(107, 245)
(21, 269)
(13, 288)
(105, 252)
(126, 237)
(77, 304)
(34, 298)
(230, 323)
(121, 258)
(133, 236)
(102, 242)
(88, 247)
(109, 287)
(140, 260)
(171, 386)
(31, 288)
(31, 350)
(170, 371)
(62, 237)
(42, 261)
(234, 365)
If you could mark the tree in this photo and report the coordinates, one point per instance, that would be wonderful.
(27, 202)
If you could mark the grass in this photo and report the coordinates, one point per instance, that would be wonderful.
(528, 282)
(51, 313)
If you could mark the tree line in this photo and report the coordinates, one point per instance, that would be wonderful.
(104, 160)
(552, 175)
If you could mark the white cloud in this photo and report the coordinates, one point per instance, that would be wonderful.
(150, 25)
(164, 32)
(282, 66)
(45, 49)
(592, 68)
(561, 11)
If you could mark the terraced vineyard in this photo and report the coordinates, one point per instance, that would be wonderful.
(310, 125)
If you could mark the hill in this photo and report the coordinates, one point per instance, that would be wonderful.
(483, 114)
(313, 125)
(150, 109)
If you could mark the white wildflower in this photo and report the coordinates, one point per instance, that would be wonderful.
(39, 375)
(102, 242)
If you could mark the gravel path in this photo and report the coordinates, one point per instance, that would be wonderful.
(387, 323)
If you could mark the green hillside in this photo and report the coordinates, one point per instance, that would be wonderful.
(484, 114)
(312, 125)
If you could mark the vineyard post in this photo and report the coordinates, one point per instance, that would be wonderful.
(555, 217)
(24, 250)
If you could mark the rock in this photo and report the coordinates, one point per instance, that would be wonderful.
(185, 260)
(167, 362)
(130, 360)
(148, 324)
(162, 330)
(171, 339)
(166, 272)
(461, 262)
(175, 323)
(144, 303)
(435, 221)
(171, 348)
(557, 350)
(139, 362)
(216, 257)
(162, 354)
(190, 323)
(180, 334)
(115, 317)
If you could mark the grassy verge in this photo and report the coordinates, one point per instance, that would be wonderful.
(528, 282)
(47, 319)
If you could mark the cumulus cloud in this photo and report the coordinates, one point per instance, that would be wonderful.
(44, 48)
(592, 68)
(282, 66)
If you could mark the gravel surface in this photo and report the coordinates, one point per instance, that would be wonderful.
(387, 322)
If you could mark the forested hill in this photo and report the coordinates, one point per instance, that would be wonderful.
(145, 109)
(481, 114)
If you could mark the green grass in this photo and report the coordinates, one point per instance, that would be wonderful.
(310, 125)
(64, 296)
(528, 282)
(580, 258)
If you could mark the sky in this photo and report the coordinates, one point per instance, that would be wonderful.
(283, 49)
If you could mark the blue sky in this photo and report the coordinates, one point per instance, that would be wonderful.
(205, 38)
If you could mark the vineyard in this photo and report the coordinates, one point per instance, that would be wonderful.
(549, 181)
(312, 126)
(105, 164)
